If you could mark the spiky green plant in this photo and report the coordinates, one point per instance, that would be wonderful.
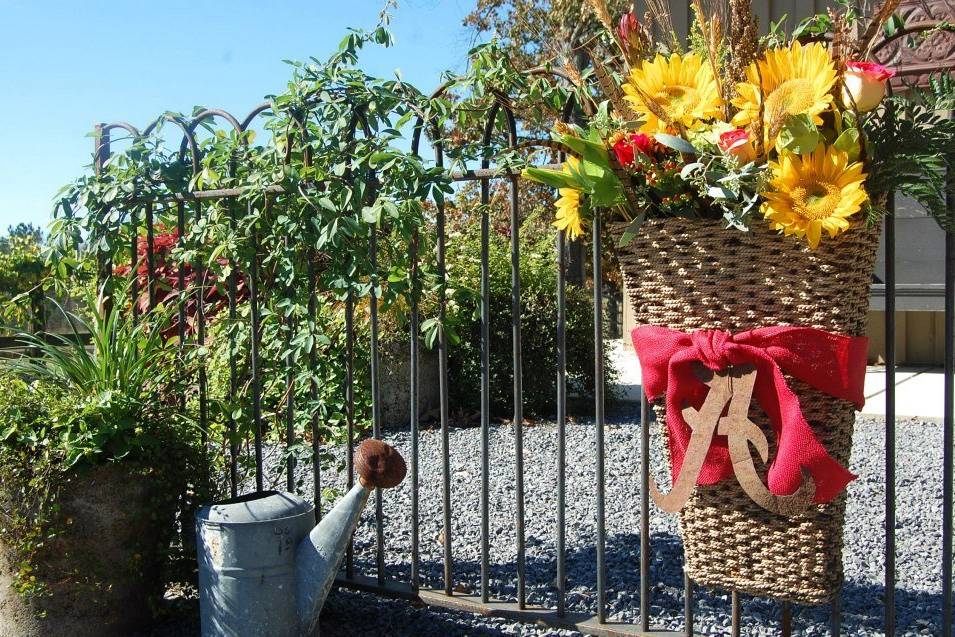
(124, 352)
(911, 144)
(115, 382)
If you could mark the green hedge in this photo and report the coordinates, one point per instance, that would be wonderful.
(538, 325)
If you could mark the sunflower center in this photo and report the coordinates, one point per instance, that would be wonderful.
(677, 99)
(792, 97)
(816, 200)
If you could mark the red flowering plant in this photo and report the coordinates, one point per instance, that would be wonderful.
(654, 168)
(167, 269)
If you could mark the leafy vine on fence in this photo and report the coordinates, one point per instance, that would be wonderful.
(333, 172)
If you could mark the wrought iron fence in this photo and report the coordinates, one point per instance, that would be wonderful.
(189, 209)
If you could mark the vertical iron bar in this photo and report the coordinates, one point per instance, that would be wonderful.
(949, 419)
(134, 261)
(350, 413)
(376, 399)
(644, 510)
(290, 402)
(415, 540)
(889, 418)
(485, 390)
(736, 612)
(313, 387)
(443, 388)
(256, 381)
(786, 625)
(311, 256)
(150, 258)
(561, 423)
(835, 616)
(101, 153)
(687, 603)
(201, 274)
(518, 393)
(181, 302)
(233, 366)
(489, 126)
(599, 423)
(415, 434)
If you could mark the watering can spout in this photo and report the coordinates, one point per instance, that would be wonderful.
(320, 554)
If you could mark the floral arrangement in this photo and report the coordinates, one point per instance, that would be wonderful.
(790, 130)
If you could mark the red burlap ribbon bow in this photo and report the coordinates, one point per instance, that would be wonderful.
(832, 363)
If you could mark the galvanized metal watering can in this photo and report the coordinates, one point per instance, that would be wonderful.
(265, 568)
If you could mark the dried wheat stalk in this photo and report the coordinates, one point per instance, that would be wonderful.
(744, 34)
(710, 28)
(600, 10)
(842, 42)
(610, 87)
(761, 120)
(659, 12)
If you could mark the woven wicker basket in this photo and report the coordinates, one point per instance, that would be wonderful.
(690, 274)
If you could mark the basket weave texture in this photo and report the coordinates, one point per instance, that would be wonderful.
(688, 274)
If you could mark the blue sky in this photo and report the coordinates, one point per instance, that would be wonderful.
(66, 65)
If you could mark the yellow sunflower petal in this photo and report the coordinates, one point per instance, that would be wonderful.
(681, 87)
(569, 217)
(797, 80)
(807, 195)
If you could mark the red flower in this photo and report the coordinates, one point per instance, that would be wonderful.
(627, 146)
(729, 138)
(871, 70)
(737, 143)
(633, 38)
(628, 25)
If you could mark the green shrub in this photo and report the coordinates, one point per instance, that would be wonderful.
(70, 407)
(538, 324)
(22, 275)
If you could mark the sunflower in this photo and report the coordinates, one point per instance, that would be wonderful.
(795, 81)
(812, 193)
(673, 90)
(569, 216)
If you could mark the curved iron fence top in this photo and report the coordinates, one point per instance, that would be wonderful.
(129, 128)
(501, 101)
(189, 125)
(910, 29)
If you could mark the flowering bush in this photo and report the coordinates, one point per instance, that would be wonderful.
(167, 269)
(779, 130)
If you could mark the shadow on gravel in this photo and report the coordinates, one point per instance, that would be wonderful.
(862, 606)
(351, 613)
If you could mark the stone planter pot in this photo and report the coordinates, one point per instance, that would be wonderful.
(396, 383)
(103, 570)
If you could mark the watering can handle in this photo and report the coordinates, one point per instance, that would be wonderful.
(379, 465)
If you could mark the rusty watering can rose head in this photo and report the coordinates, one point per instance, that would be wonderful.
(379, 465)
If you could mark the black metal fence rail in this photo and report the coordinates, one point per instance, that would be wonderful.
(189, 209)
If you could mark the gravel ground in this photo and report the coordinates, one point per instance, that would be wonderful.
(918, 529)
